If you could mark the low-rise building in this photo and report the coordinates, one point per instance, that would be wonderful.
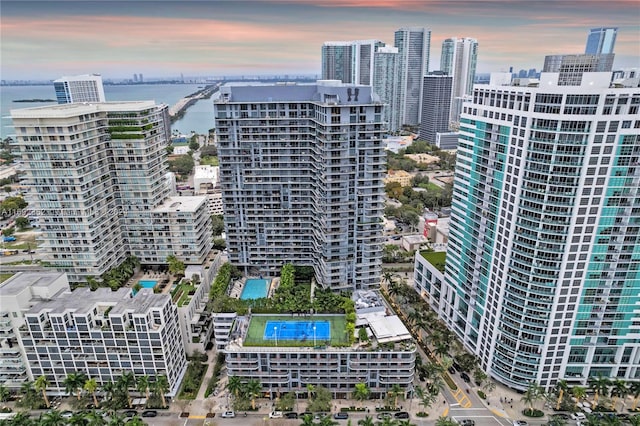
(17, 295)
(428, 276)
(286, 353)
(400, 176)
(104, 334)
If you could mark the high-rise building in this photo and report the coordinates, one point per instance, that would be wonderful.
(571, 67)
(349, 61)
(97, 176)
(543, 264)
(601, 41)
(413, 45)
(385, 85)
(301, 169)
(104, 334)
(458, 59)
(79, 88)
(436, 105)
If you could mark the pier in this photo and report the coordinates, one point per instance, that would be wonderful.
(177, 111)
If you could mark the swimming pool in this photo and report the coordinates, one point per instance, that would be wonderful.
(255, 289)
(147, 283)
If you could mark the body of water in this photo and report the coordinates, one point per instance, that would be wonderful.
(198, 117)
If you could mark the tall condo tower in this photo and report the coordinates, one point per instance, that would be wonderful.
(436, 105)
(79, 88)
(601, 41)
(96, 175)
(349, 61)
(385, 84)
(458, 59)
(301, 169)
(413, 45)
(543, 264)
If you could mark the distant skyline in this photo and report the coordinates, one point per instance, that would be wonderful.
(44, 40)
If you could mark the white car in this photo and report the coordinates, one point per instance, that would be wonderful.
(519, 423)
(275, 415)
(228, 414)
(578, 416)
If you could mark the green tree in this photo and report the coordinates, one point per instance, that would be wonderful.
(41, 385)
(52, 418)
(367, 421)
(619, 389)
(193, 144)
(600, 386)
(91, 386)
(143, 384)
(234, 385)
(22, 223)
(7, 232)
(445, 421)
(219, 243)
(176, 266)
(561, 388)
(395, 392)
(533, 394)
(182, 165)
(217, 224)
(74, 382)
(307, 420)
(253, 389)
(426, 399)
(361, 392)
(4, 393)
(634, 390)
(161, 386)
(125, 382)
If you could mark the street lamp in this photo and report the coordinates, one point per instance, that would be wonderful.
(275, 334)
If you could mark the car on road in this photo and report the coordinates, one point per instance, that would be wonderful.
(382, 416)
(341, 415)
(8, 239)
(319, 416)
(467, 422)
(465, 377)
(520, 423)
(562, 416)
(451, 370)
(66, 414)
(228, 414)
(275, 415)
(578, 416)
(149, 413)
(290, 415)
(130, 413)
(401, 415)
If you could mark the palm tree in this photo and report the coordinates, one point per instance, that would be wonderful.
(116, 419)
(557, 421)
(161, 386)
(310, 390)
(533, 394)
(395, 392)
(94, 419)
(619, 390)
(327, 421)
(234, 385)
(445, 421)
(600, 385)
(307, 420)
(142, 384)
(21, 419)
(74, 382)
(387, 421)
(634, 420)
(253, 388)
(76, 419)
(91, 385)
(367, 421)
(426, 398)
(634, 389)
(579, 392)
(361, 392)
(405, 423)
(126, 381)
(52, 418)
(41, 385)
(561, 388)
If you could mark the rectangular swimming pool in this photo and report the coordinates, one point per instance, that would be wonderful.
(148, 283)
(297, 330)
(255, 289)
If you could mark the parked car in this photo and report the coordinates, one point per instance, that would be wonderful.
(149, 413)
(578, 416)
(467, 422)
(130, 413)
(382, 416)
(8, 239)
(401, 415)
(520, 423)
(465, 377)
(275, 415)
(228, 414)
(341, 415)
(452, 370)
(290, 415)
(66, 414)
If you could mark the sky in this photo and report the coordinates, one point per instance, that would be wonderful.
(49, 39)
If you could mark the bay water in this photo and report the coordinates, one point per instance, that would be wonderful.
(197, 118)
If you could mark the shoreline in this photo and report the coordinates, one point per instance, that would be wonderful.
(178, 110)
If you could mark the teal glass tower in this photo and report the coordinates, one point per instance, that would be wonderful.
(542, 272)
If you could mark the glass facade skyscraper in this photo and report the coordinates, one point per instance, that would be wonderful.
(543, 265)
(601, 41)
(413, 45)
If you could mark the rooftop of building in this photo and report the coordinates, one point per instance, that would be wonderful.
(23, 280)
(436, 258)
(75, 109)
(83, 301)
(206, 172)
(188, 204)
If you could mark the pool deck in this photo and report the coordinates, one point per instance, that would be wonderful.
(238, 286)
(163, 279)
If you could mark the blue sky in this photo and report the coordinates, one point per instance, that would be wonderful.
(48, 39)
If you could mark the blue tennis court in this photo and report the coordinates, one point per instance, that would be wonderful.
(297, 330)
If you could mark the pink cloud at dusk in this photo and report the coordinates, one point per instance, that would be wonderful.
(286, 37)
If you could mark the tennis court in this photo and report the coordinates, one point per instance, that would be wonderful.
(297, 330)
